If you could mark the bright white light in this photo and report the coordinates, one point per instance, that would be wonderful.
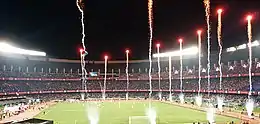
(231, 49)
(199, 100)
(255, 43)
(243, 46)
(181, 97)
(203, 70)
(240, 47)
(257, 65)
(93, 113)
(188, 51)
(190, 71)
(220, 101)
(151, 113)
(250, 107)
(211, 114)
(4, 47)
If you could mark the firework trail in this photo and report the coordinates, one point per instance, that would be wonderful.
(249, 33)
(170, 77)
(80, 5)
(83, 52)
(150, 17)
(220, 47)
(181, 96)
(180, 40)
(105, 79)
(199, 44)
(127, 75)
(207, 10)
(159, 70)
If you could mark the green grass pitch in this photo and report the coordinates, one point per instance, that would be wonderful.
(111, 113)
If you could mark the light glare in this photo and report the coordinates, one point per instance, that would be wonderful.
(188, 51)
(199, 32)
(220, 11)
(249, 17)
(106, 57)
(180, 40)
(231, 49)
(7, 48)
(240, 47)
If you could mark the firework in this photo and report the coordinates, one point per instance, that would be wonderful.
(207, 11)
(199, 44)
(249, 33)
(170, 78)
(250, 101)
(150, 21)
(180, 41)
(159, 70)
(83, 52)
(105, 79)
(181, 96)
(127, 75)
(220, 47)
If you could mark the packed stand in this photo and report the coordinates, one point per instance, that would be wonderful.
(231, 84)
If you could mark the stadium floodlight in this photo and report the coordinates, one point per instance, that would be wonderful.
(7, 48)
(231, 49)
(187, 51)
(240, 47)
(255, 43)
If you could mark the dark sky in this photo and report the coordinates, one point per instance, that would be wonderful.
(54, 26)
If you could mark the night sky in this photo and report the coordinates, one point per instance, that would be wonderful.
(112, 26)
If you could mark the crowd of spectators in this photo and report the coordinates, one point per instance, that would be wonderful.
(231, 84)
(16, 79)
(16, 72)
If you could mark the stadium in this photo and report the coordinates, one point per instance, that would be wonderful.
(42, 87)
(191, 84)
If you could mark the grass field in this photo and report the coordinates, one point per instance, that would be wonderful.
(111, 113)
